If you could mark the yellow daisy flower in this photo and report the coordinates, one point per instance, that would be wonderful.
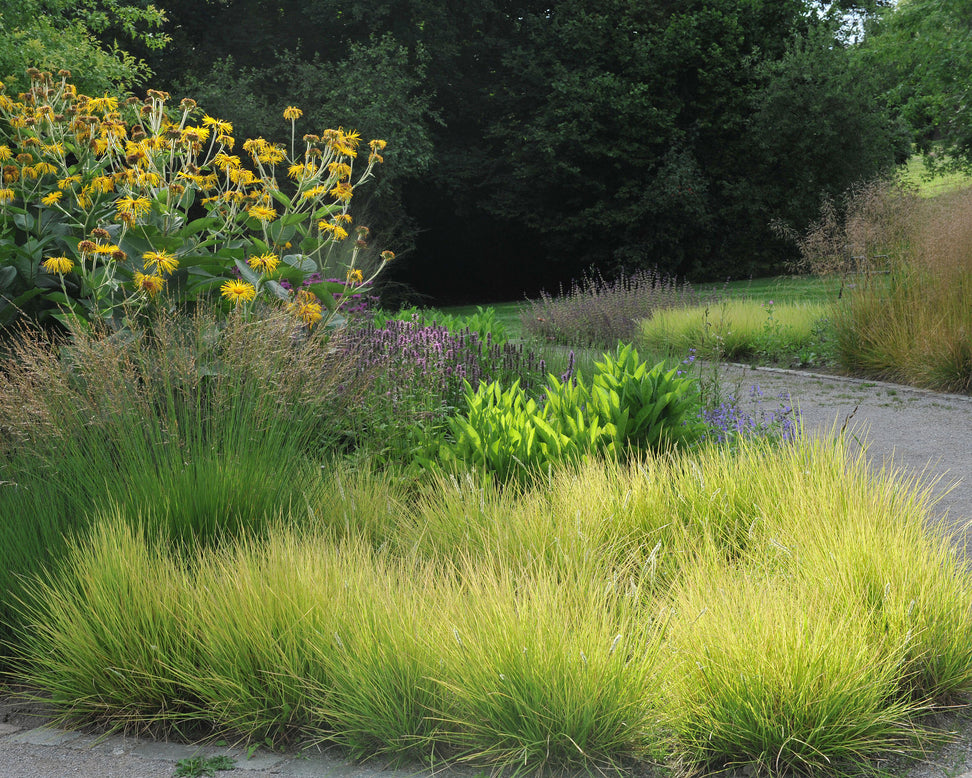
(151, 284)
(52, 198)
(291, 113)
(194, 135)
(266, 263)
(306, 308)
(342, 191)
(242, 176)
(339, 169)
(59, 265)
(336, 230)
(355, 276)
(351, 139)
(263, 213)
(103, 105)
(272, 155)
(103, 184)
(160, 262)
(238, 291)
(310, 194)
(6, 196)
(223, 161)
(132, 207)
(224, 128)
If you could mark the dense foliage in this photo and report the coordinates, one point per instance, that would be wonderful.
(91, 38)
(106, 203)
(543, 138)
(924, 48)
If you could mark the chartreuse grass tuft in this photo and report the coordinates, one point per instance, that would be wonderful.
(779, 677)
(784, 608)
(735, 329)
(542, 671)
(116, 619)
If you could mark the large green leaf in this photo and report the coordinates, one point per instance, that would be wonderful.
(300, 261)
(277, 290)
(24, 221)
(198, 225)
(280, 232)
(8, 275)
(246, 273)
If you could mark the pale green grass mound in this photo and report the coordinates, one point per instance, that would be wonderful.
(734, 329)
(778, 607)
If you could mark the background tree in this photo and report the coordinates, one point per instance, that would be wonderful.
(925, 49)
(661, 133)
(529, 141)
(819, 127)
(84, 37)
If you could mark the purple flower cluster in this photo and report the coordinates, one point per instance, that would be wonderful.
(729, 422)
(409, 358)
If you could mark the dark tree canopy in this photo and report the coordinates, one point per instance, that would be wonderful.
(529, 141)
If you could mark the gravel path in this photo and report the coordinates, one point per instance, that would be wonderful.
(920, 433)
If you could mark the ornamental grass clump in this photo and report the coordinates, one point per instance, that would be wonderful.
(780, 679)
(777, 609)
(914, 324)
(598, 313)
(546, 673)
(174, 427)
(111, 206)
(767, 331)
(906, 305)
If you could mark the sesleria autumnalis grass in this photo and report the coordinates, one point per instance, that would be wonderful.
(787, 600)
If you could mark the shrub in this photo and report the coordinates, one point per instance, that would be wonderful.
(104, 203)
(599, 313)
